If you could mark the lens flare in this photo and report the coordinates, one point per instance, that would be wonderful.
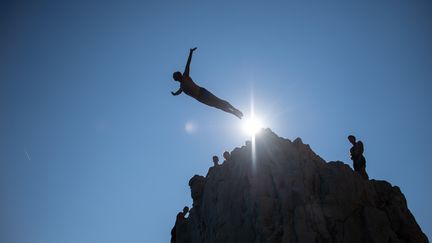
(190, 127)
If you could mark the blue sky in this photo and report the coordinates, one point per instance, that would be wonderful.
(93, 147)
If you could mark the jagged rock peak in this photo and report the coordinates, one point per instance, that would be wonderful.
(284, 192)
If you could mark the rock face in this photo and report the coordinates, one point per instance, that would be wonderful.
(290, 194)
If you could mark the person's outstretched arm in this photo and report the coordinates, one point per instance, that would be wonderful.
(186, 72)
(179, 91)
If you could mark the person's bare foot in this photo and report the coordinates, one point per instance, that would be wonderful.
(238, 114)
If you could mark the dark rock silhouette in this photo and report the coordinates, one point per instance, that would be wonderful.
(291, 194)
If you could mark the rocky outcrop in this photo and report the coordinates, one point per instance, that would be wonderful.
(287, 193)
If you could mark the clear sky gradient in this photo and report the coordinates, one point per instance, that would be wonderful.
(94, 148)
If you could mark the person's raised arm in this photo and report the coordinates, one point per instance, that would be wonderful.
(177, 92)
(186, 72)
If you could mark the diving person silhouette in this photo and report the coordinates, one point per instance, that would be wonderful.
(201, 94)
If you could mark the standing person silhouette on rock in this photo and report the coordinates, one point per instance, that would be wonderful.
(201, 94)
(359, 161)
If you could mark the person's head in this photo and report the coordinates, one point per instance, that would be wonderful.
(352, 139)
(177, 76)
(215, 160)
(226, 155)
(185, 210)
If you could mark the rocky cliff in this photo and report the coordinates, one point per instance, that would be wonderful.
(290, 194)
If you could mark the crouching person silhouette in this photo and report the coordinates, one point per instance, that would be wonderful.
(181, 217)
(201, 94)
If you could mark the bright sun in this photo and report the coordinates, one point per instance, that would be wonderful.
(252, 125)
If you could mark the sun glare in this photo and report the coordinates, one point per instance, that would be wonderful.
(252, 126)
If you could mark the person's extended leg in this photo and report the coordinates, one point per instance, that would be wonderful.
(223, 105)
(226, 106)
(233, 110)
(210, 99)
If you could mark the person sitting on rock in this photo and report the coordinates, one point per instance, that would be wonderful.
(199, 93)
(181, 216)
(226, 155)
(359, 161)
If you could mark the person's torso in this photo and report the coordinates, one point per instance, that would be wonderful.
(189, 87)
(360, 148)
(180, 217)
(356, 151)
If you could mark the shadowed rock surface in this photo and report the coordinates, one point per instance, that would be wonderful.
(291, 194)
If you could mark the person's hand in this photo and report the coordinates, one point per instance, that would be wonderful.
(193, 49)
